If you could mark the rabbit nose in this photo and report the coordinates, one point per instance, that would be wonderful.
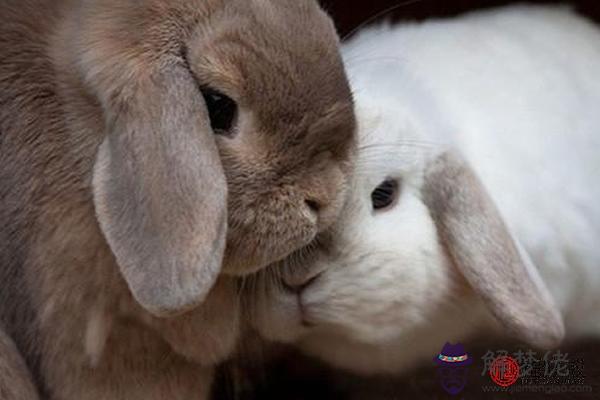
(319, 210)
(316, 210)
(298, 287)
(313, 205)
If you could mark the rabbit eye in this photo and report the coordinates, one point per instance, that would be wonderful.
(384, 194)
(222, 111)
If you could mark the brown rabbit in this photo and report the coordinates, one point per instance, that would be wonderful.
(138, 140)
(16, 382)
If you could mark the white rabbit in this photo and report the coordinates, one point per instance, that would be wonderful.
(510, 95)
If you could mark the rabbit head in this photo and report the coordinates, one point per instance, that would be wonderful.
(417, 257)
(228, 125)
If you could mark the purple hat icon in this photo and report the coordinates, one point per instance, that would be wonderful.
(453, 355)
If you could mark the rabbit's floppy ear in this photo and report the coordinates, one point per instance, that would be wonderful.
(160, 192)
(481, 246)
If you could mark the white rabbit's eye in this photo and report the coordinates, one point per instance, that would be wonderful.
(222, 111)
(384, 194)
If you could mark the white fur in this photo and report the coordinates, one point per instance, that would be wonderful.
(517, 91)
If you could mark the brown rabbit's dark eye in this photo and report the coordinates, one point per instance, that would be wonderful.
(384, 194)
(222, 111)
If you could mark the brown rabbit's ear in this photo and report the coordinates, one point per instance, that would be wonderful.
(160, 192)
(482, 248)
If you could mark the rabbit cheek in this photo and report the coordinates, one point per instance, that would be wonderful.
(271, 217)
(265, 227)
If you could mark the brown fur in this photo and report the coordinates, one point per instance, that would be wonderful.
(15, 379)
(74, 75)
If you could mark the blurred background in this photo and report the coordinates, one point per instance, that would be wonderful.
(292, 376)
(350, 14)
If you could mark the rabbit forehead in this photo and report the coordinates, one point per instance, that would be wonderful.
(392, 141)
(289, 66)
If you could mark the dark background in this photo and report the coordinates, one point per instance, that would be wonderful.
(293, 376)
(350, 14)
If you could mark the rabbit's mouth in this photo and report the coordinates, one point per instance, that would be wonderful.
(280, 294)
(279, 311)
(305, 264)
(299, 291)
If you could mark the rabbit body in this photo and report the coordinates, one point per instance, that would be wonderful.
(114, 189)
(16, 382)
(514, 91)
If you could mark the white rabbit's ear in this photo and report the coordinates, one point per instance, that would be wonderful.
(479, 243)
(160, 192)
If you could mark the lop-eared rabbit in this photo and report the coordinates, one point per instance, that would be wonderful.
(146, 147)
(475, 206)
